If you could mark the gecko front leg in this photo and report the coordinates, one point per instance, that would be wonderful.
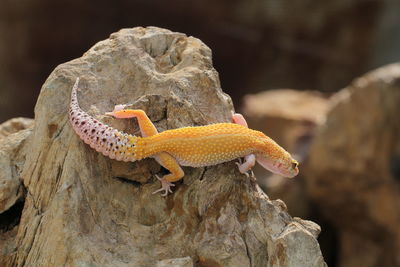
(245, 167)
(249, 160)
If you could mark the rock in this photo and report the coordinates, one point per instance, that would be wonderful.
(180, 262)
(289, 117)
(12, 141)
(85, 209)
(353, 169)
(11, 189)
(14, 125)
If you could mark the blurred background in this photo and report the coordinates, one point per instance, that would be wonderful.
(314, 47)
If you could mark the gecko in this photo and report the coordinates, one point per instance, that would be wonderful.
(196, 146)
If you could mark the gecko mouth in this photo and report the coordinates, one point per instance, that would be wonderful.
(278, 167)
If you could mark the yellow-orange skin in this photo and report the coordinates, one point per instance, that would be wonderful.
(205, 145)
(188, 146)
(201, 146)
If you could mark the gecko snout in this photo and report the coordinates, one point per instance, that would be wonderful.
(285, 166)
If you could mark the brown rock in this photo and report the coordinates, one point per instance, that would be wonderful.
(84, 209)
(353, 169)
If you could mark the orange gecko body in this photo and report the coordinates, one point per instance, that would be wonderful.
(188, 146)
(205, 145)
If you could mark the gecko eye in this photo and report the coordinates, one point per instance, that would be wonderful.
(294, 165)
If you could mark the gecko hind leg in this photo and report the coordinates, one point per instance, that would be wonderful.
(147, 128)
(176, 172)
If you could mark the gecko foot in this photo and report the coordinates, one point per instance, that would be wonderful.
(116, 108)
(243, 172)
(248, 173)
(165, 186)
(252, 175)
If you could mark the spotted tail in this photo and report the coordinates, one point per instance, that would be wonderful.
(101, 137)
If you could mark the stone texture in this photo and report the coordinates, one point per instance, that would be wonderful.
(353, 169)
(14, 125)
(180, 262)
(82, 208)
(12, 140)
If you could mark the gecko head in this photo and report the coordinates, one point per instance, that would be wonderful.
(280, 162)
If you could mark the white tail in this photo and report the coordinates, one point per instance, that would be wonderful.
(101, 137)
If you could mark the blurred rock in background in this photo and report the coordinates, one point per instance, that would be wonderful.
(256, 45)
(350, 171)
(290, 118)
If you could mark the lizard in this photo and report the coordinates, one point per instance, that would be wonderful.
(196, 146)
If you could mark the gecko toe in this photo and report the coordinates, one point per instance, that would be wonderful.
(165, 186)
(252, 175)
(119, 107)
(158, 190)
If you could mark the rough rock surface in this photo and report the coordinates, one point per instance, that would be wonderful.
(83, 209)
(14, 125)
(353, 171)
(12, 139)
